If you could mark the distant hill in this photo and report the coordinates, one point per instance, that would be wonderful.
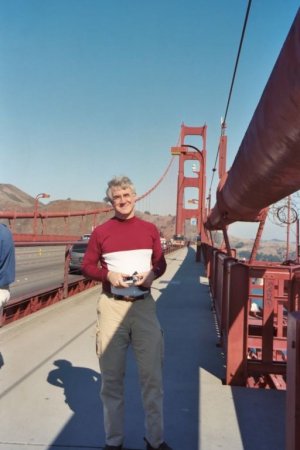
(269, 250)
(13, 199)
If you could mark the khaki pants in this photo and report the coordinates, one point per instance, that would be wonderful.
(122, 323)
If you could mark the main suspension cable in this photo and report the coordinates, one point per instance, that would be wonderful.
(237, 59)
(158, 182)
(223, 123)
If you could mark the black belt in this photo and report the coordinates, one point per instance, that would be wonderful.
(127, 298)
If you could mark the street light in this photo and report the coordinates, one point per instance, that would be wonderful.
(36, 203)
(192, 146)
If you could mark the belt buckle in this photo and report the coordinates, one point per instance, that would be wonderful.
(127, 298)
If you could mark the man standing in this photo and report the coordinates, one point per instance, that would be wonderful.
(7, 265)
(130, 256)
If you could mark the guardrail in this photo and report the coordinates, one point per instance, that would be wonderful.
(24, 305)
(35, 301)
(252, 302)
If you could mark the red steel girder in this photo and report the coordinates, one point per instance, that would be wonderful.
(183, 213)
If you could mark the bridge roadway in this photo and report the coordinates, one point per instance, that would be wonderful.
(50, 378)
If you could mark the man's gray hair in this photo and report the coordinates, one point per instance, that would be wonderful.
(120, 182)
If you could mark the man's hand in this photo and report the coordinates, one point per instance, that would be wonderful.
(117, 279)
(145, 279)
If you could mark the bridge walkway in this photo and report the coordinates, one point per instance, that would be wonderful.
(49, 377)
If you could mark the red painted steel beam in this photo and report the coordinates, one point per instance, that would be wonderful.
(267, 166)
(184, 182)
(236, 325)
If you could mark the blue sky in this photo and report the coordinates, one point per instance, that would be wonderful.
(90, 89)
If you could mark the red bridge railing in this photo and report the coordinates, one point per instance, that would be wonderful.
(23, 305)
(252, 302)
(257, 309)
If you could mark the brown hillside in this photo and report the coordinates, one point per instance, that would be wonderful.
(13, 199)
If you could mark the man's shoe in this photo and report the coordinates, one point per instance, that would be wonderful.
(113, 447)
(163, 446)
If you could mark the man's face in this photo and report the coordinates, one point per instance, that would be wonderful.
(123, 201)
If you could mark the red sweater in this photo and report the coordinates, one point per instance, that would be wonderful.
(124, 246)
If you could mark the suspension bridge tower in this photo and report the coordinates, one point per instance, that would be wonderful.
(187, 152)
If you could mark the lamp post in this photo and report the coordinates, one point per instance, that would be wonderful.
(36, 203)
(192, 146)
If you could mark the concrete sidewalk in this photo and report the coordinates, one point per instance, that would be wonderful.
(50, 377)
